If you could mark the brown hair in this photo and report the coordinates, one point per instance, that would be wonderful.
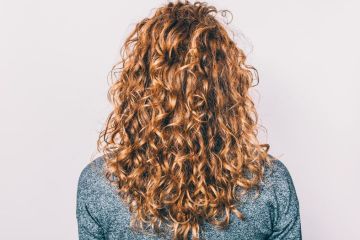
(183, 130)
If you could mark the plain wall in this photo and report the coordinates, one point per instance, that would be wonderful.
(54, 61)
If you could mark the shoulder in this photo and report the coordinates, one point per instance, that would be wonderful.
(277, 187)
(91, 193)
(93, 167)
(93, 189)
(92, 180)
(280, 188)
(285, 207)
(277, 173)
(276, 183)
(92, 171)
(99, 207)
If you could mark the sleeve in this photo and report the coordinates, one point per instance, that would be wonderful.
(89, 227)
(287, 224)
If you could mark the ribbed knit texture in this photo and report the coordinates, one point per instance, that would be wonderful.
(274, 214)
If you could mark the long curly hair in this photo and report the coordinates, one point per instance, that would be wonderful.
(181, 140)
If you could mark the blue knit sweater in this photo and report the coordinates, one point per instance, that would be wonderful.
(273, 215)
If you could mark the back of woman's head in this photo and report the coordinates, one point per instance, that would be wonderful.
(181, 140)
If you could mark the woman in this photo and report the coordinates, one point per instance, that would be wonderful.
(181, 158)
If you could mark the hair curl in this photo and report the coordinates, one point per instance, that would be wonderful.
(182, 135)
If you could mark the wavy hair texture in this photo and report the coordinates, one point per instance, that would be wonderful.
(181, 140)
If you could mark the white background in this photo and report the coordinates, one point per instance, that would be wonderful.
(54, 60)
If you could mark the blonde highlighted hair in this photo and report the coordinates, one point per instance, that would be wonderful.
(182, 134)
